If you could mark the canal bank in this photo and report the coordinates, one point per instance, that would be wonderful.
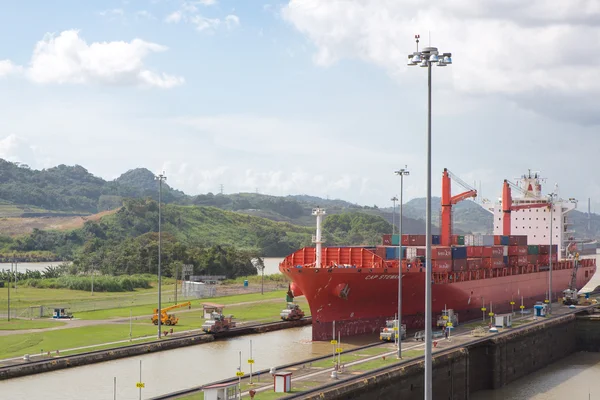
(483, 364)
(62, 362)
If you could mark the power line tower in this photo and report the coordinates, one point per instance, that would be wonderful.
(221, 186)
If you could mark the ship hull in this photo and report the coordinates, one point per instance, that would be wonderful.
(360, 300)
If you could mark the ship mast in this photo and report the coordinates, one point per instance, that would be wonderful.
(318, 212)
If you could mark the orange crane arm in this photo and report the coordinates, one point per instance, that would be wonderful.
(188, 304)
(463, 196)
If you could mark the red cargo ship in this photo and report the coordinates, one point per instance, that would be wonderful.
(357, 287)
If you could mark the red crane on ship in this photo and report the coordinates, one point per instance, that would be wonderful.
(507, 205)
(448, 201)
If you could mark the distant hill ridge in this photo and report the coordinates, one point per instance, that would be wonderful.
(73, 190)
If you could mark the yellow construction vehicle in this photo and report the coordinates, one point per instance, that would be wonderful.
(168, 319)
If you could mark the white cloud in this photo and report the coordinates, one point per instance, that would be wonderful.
(112, 12)
(207, 2)
(205, 24)
(232, 21)
(7, 68)
(174, 17)
(143, 14)
(17, 149)
(67, 58)
(189, 13)
(510, 48)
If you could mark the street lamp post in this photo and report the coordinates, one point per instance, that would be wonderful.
(401, 172)
(551, 197)
(426, 58)
(394, 200)
(160, 178)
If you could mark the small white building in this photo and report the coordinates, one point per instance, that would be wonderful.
(282, 382)
(503, 320)
(221, 391)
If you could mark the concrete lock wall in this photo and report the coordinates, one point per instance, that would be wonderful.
(486, 364)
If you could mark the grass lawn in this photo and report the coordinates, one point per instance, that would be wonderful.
(16, 324)
(351, 357)
(27, 296)
(389, 360)
(31, 343)
(123, 312)
(297, 387)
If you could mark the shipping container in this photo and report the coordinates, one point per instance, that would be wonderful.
(498, 240)
(517, 250)
(395, 240)
(522, 240)
(435, 240)
(441, 265)
(522, 261)
(496, 262)
(533, 249)
(387, 240)
(505, 260)
(474, 251)
(441, 253)
(504, 241)
(532, 259)
(469, 240)
(459, 264)
(381, 252)
(411, 253)
(417, 240)
(544, 259)
(505, 251)
(478, 240)
(487, 240)
(421, 251)
(545, 249)
(458, 240)
(513, 240)
(474, 263)
(493, 251)
(459, 253)
(391, 253)
(405, 241)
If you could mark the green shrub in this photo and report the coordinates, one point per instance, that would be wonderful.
(102, 283)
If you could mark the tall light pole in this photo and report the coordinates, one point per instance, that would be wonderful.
(551, 197)
(160, 178)
(394, 200)
(426, 58)
(401, 172)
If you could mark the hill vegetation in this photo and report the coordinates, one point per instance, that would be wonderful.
(217, 233)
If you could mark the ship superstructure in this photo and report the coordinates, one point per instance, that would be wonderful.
(531, 212)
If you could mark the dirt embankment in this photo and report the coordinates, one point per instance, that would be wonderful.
(14, 226)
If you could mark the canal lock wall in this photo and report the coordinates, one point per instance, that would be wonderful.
(484, 364)
(63, 362)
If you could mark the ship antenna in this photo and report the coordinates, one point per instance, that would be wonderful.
(417, 36)
(318, 212)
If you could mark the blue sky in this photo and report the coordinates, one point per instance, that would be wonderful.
(303, 96)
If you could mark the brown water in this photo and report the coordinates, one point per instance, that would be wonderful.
(173, 370)
(574, 377)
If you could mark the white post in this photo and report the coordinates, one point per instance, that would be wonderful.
(240, 378)
(140, 379)
(401, 172)
(333, 340)
(251, 363)
(522, 309)
(340, 346)
(130, 336)
(115, 389)
(318, 212)
(550, 275)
